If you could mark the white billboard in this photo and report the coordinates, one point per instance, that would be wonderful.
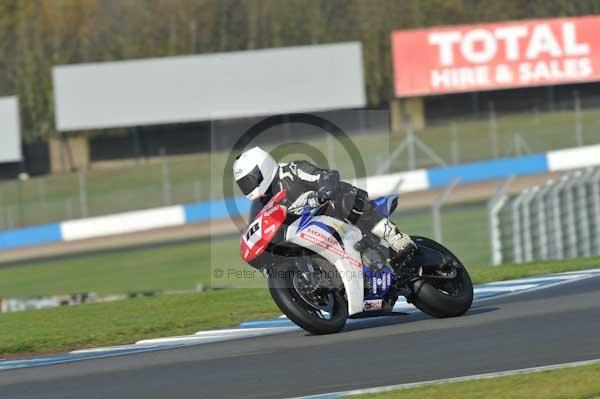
(210, 86)
(10, 130)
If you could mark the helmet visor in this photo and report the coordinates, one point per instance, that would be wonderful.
(249, 182)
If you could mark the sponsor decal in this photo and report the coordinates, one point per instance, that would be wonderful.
(499, 55)
(272, 210)
(328, 243)
(324, 237)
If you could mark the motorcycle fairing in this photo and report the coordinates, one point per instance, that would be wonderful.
(263, 228)
(334, 240)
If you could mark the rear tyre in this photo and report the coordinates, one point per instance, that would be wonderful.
(322, 313)
(443, 298)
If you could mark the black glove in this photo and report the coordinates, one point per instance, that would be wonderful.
(325, 194)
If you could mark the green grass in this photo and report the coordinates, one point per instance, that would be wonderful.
(167, 268)
(464, 230)
(163, 268)
(571, 383)
(194, 178)
(96, 324)
(183, 266)
(488, 274)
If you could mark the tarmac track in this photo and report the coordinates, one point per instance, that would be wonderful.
(548, 326)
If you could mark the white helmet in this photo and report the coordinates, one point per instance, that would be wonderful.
(254, 171)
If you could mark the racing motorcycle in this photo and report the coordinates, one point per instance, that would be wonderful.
(322, 271)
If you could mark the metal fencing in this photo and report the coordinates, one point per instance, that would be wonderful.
(559, 220)
(460, 227)
(54, 199)
(167, 180)
(492, 133)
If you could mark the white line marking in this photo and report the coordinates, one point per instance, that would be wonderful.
(537, 279)
(586, 271)
(475, 377)
(508, 288)
(539, 287)
(204, 335)
(199, 337)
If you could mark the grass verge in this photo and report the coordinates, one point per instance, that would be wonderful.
(488, 274)
(182, 266)
(123, 322)
(111, 323)
(573, 383)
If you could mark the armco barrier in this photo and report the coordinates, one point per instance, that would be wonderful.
(415, 180)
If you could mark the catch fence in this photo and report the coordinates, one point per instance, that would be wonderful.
(559, 220)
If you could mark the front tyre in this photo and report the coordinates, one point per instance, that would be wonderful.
(310, 302)
(439, 297)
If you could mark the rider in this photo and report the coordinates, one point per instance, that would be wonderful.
(260, 177)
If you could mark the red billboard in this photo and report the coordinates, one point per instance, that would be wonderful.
(494, 56)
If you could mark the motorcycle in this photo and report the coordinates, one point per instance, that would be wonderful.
(322, 271)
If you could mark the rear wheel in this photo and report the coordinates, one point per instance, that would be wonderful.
(439, 297)
(308, 295)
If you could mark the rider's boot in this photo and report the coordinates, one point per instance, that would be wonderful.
(401, 243)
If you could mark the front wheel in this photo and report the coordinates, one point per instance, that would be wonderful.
(443, 297)
(306, 295)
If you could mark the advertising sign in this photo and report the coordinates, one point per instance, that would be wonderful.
(10, 130)
(202, 87)
(496, 56)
